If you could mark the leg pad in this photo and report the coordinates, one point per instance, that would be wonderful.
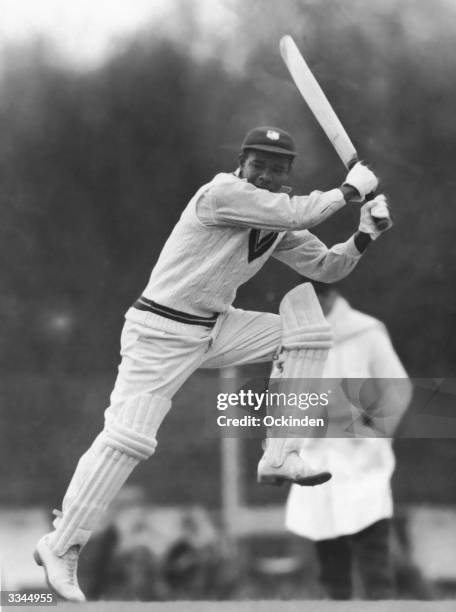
(129, 437)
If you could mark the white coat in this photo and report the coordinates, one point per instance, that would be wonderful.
(359, 493)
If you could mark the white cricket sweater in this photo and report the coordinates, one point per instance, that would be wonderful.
(227, 232)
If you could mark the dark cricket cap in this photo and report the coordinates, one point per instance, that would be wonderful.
(271, 139)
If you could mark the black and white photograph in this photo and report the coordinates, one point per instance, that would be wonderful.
(228, 367)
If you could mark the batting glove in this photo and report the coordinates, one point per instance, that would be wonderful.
(362, 179)
(375, 209)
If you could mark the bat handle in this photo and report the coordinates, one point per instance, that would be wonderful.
(380, 222)
(354, 160)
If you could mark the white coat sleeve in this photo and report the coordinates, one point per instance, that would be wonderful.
(392, 385)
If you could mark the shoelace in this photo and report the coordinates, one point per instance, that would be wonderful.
(71, 556)
(71, 563)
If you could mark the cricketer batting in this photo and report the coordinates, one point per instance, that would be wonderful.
(184, 320)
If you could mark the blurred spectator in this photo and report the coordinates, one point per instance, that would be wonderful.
(349, 517)
(119, 562)
(155, 554)
(199, 565)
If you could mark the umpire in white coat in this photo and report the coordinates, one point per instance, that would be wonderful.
(349, 517)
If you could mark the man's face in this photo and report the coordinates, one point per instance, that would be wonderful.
(265, 170)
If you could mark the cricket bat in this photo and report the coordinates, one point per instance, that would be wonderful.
(322, 110)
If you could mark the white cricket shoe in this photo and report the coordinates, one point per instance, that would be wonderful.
(61, 572)
(293, 469)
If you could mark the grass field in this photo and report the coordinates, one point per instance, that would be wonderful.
(258, 606)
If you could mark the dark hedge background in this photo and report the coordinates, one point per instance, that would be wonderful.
(96, 167)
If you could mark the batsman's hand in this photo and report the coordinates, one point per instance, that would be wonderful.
(372, 210)
(362, 179)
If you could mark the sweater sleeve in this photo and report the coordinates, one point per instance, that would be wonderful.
(239, 203)
(309, 256)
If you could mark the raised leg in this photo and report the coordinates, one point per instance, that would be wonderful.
(306, 340)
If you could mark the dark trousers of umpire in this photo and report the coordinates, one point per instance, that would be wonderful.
(368, 553)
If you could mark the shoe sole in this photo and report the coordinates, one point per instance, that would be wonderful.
(38, 561)
(308, 481)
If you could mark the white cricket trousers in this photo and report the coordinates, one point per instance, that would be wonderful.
(158, 355)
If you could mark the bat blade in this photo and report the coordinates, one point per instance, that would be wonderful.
(322, 110)
(317, 101)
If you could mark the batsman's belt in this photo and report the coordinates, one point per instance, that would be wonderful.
(144, 303)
